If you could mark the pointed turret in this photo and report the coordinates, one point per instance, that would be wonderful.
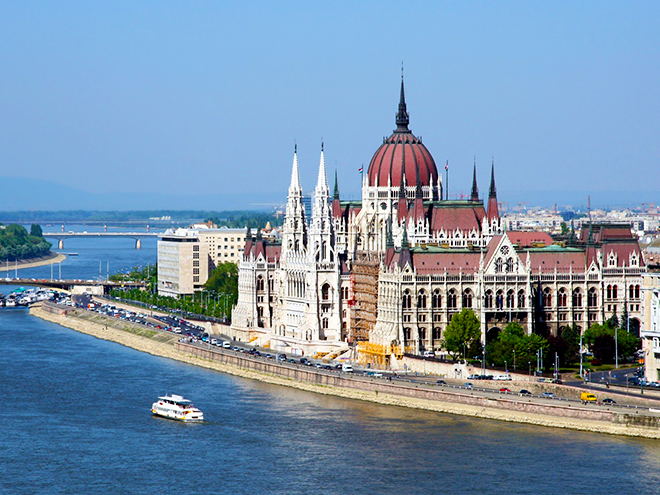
(402, 119)
(295, 177)
(294, 235)
(493, 211)
(390, 239)
(418, 207)
(336, 205)
(402, 208)
(322, 182)
(475, 189)
(404, 254)
(336, 191)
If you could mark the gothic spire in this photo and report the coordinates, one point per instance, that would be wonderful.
(336, 194)
(475, 189)
(402, 119)
(493, 208)
(295, 178)
(248, 234)
(405, 244)
(322, 183)
(493, 192)
(390, 240)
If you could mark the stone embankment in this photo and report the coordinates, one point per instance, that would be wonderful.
(510, 409)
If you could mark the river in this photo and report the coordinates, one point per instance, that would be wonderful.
(77, 421)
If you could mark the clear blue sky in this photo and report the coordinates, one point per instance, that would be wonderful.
(207, 98)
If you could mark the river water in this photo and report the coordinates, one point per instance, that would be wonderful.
(76, 420)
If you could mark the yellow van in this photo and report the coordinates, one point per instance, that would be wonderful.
(587, 397)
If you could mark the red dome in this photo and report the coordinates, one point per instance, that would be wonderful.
(402, 153)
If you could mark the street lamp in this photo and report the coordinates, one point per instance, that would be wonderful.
(514, 359)
(484, 362)
(529, 363)
(505, 366)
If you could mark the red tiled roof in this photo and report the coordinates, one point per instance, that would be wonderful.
(439, 262)
(623, 250)
(402, 153)
(450, 218)
(525, 239)
(563, 261)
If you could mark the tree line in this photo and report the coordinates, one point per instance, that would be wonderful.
(17, 244)
(462, 339)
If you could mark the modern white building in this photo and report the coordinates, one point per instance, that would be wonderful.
(186, 257)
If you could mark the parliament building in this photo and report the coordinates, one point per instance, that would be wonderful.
(387, 273)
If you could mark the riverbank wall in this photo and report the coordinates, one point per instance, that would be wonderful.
(380, 391)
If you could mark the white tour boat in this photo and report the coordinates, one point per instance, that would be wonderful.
(176, 407)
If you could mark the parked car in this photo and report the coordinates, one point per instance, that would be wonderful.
(505, 390)
(441, 382)
(469, 385)
(524, 393)
(548, 395)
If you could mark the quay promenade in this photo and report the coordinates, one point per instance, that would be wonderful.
(637, 422)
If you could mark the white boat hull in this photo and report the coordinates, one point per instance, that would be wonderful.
(186, 414)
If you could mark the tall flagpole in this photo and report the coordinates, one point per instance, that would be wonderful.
(447, 180)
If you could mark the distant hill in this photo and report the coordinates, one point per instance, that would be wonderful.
(17, 193)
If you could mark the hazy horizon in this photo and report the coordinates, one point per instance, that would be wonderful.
(174, 105)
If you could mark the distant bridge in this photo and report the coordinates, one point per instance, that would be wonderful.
(75, 286)
(138, 236)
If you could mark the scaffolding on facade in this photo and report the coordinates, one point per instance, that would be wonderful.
(364, 296)
(376, 355)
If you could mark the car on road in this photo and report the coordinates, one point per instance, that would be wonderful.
(441, 382)
(609, 401)
(548, 395)
(469, 385)
(505, 390)
(524, 393)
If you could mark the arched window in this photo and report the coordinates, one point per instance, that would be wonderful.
(521, 298)
(592, 298)
(488, 299)
(437, 333)
(406, 302)
(421, 299)
(562, 298)
(508, 266)
(547, 297)
(499, 299)
(498, 265)
(615, 292)
(631, 292)
(451, 299)
(422, 333)
(437, 299)
(467, 298)
(637, 292)
(271, 284)
(577, 298)
(260, 283)
(510, 299)
(325, 292)
(609, 292)
(324, 323)
(406, 333)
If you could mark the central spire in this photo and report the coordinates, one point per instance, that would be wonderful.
(402, 119)
(475, 189)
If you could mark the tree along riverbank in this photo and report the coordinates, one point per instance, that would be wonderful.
(167, 345)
